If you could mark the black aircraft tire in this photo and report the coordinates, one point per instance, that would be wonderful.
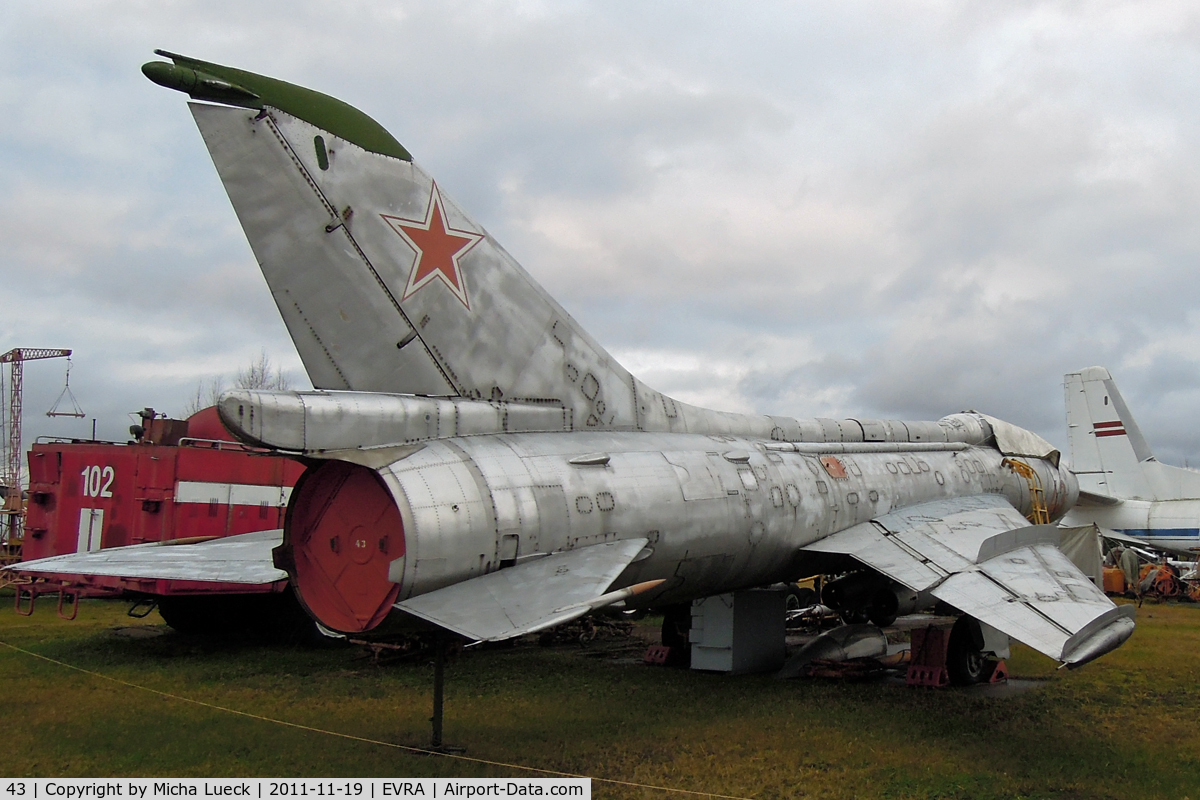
(191, 615)
(854, 616)
(881, 617)
(274, 617)
(677, 622)
(279, 618)
(799, 597)
(965, 662)
(884, 608)
(676, 628)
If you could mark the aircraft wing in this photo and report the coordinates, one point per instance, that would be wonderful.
(980, 555)
(1124, 538)
(530, 596)
(245, 558)
(1147, 547)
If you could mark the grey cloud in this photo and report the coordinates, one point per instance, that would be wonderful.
(892, 209)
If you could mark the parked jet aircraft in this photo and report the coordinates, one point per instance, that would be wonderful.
(1123, 487)
(478, 462)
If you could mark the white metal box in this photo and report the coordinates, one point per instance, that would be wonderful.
(739, 632)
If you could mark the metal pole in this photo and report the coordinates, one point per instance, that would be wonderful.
(439, 685)
(14, 427)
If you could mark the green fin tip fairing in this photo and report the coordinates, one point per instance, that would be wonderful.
(215, 83)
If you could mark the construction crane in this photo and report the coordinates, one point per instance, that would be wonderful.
(11, 476)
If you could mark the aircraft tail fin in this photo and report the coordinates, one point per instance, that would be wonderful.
(384, 283)
(1108, 451)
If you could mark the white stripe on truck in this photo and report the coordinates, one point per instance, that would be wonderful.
(233, 494)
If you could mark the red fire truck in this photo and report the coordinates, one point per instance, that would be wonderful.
(176, 480)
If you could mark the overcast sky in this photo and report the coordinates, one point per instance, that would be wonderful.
(882, 209)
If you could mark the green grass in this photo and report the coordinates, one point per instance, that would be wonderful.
(1123, 727)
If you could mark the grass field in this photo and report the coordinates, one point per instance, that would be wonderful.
(1127, 726)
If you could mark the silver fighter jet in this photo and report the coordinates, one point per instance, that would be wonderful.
(479, 462)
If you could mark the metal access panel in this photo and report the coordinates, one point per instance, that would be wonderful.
(738, 633)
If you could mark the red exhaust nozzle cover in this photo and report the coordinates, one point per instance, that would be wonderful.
(344, 531)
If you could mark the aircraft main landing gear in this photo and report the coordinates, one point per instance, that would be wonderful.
(966, 661)
(964, 655)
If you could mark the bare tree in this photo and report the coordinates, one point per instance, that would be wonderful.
(258, 374)
(262, 374)
(207, 393)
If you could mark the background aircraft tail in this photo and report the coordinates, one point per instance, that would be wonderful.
(1108, 452)
(384, 283)
(1107, 448)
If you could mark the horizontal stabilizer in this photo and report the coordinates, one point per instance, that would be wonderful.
(981, 556)
(529, 597)
(1092, 499)
(233, 559)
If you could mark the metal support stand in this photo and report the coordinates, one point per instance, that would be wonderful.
(439, 685)
(439, 693)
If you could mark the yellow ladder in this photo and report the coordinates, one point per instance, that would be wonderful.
(1039, 515)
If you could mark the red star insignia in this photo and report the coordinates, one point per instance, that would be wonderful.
(438, 248)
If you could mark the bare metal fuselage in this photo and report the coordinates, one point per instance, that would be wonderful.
(472, 503)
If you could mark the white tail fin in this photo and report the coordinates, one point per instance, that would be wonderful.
(1107, 448)
(1108, 452)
